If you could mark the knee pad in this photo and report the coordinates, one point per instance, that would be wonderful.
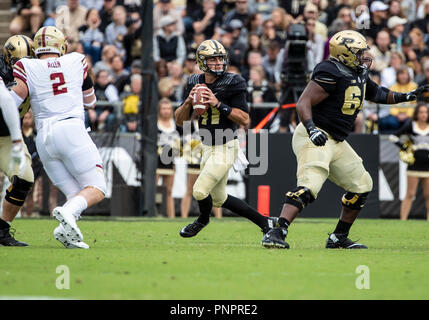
(299, 197)
(18, 191)
(354, 201)
(198, 194)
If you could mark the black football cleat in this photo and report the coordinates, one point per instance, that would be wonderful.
(340, 240)
(7, 239)
(275, 238)
(192, 229)
(272, 222)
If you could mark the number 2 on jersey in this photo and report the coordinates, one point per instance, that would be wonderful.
(58, 86)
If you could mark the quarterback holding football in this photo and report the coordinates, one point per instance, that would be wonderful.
(218, 99)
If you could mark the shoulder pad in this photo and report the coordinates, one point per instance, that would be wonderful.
(327, 66)
(342, 69)
(194, 79)
(232, 79)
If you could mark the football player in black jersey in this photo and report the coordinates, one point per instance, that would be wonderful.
(327, 109)
(226, 94)
(13, 150)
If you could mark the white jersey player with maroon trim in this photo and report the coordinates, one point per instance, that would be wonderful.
(59, 89)
(54, 85)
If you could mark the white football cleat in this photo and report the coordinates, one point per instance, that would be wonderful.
(60, 235)
(68, 221)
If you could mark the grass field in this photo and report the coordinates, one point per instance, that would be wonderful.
(147, 259)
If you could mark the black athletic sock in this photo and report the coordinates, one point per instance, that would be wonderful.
(4, 225)
(343, 227)
(206, 206)
(243, 209)
(284, 223)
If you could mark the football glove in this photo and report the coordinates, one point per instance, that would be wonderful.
(410, 96)
(318, 137)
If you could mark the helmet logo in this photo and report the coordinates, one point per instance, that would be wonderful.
(347, 41)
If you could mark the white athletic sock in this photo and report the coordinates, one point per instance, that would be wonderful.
(75, 206)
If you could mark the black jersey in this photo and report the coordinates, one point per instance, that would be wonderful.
(7, 76)
(230, 89)
(347, 90)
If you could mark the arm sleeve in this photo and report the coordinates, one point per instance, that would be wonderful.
(239, 95)
(10, 113)
(371, 90)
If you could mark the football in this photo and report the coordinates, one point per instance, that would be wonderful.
(198, 104)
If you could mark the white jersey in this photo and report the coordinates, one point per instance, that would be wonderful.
(54, 85)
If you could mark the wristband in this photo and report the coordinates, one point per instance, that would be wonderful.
(224, 109)
(309, 124)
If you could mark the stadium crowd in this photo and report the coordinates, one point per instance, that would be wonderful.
(254, 32)
(255, 35)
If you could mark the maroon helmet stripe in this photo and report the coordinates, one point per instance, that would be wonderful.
(43, 36)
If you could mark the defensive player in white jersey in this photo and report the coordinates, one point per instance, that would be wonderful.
(55, 82)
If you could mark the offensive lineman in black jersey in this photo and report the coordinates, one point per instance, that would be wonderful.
(226, 94)
(14, 150)
(327, 109)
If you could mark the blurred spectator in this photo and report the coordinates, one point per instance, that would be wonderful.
(269, 60)
(69, 19)
(118, 69)
(132, 5)
(345, 14)
(417, 132)
(106, 13)
(293, 7)
(241, 12)
(92, 4)
(395, 9)
(132, 40)
(116, 30)
(269, 33)
(315, 45)
(312, 12)
(281, 23)
(254, 59)
(378, 19)
(418, 50)
(421, 15)
(91, 37)
(189, 65)
(254, 24)
(131, 105)
(396, 27)
(259, 91)
(108, 52)
(168, 44)
(166, 8)
(425, 95)
(398, 115)
(237, 48)
(321, 8)
(29, 16)
(161, 68)
(51, 11)
(124, 82)
(263, 7)
(254, 44)
(206, 19)
(168, 144)
(409, 9)
(194, 43)
(380, 51)
(103, 117)
(166, 89)
(175, 71)
(388, 75)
